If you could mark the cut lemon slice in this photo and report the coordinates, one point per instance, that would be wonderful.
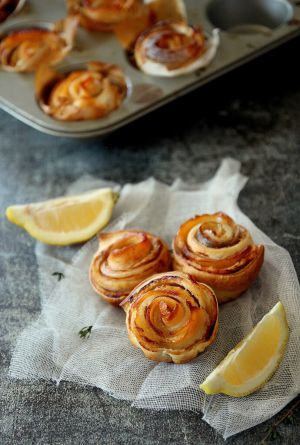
(66, 220)
(254, 360)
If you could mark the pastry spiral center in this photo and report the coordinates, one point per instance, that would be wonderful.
(216, 234)
(171, 44)
(170, 311)
(27, 49)
(129, 252)
(88, 84)
(165, 314)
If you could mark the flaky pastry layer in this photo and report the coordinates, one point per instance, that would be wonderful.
(217, 251)
(171, 317)
(123, 260)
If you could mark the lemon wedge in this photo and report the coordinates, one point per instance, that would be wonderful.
(65, 220)
(254, 360)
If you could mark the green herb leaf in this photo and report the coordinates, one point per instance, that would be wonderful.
(59, 275)
(85, 332)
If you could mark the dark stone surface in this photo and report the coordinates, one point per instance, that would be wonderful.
(252, 115)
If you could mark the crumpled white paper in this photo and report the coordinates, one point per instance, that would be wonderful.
(51, 348)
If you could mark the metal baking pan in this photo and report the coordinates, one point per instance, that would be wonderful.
(249, 28)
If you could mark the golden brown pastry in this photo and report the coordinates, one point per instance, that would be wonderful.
(171, 317)
(25, 49)
(217, 251)
(102, 15)
(148, 14)
(82, 94)
(173, 48)
(123, 260)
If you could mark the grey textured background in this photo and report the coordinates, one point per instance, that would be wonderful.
(252, 115)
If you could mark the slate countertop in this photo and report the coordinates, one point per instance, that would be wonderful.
(252, 115)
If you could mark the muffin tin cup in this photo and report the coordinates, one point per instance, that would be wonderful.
(249, 16)
(241, 41)
(65, 69)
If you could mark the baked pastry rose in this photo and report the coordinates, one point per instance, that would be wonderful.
(82, 94)
(25, 49)
(217, 251)
(171, 317)
(149, 13)
(102, 15)
(173, 48)
(123, 260)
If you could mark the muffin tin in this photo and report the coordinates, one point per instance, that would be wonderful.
(248, 29)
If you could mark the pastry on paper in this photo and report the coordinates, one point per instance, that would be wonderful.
(123, 260)
(215, 250)
(171, 317)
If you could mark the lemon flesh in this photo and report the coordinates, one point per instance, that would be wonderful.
(254, 360)
(66, 220)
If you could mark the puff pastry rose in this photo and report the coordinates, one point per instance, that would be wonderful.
(171, 317)
(25, 49)
(102, 15)
(173, 48)
(148, 14)
(217, 251)
(82, 94)
(123, 260)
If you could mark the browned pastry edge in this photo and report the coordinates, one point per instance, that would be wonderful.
(159, 283)
(236, 276)
(163, 264)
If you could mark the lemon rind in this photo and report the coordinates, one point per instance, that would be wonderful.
(17, 215)
(215, 383)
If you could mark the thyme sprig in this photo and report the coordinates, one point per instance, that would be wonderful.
(59, 275)
(287, 417)
(85, 332)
